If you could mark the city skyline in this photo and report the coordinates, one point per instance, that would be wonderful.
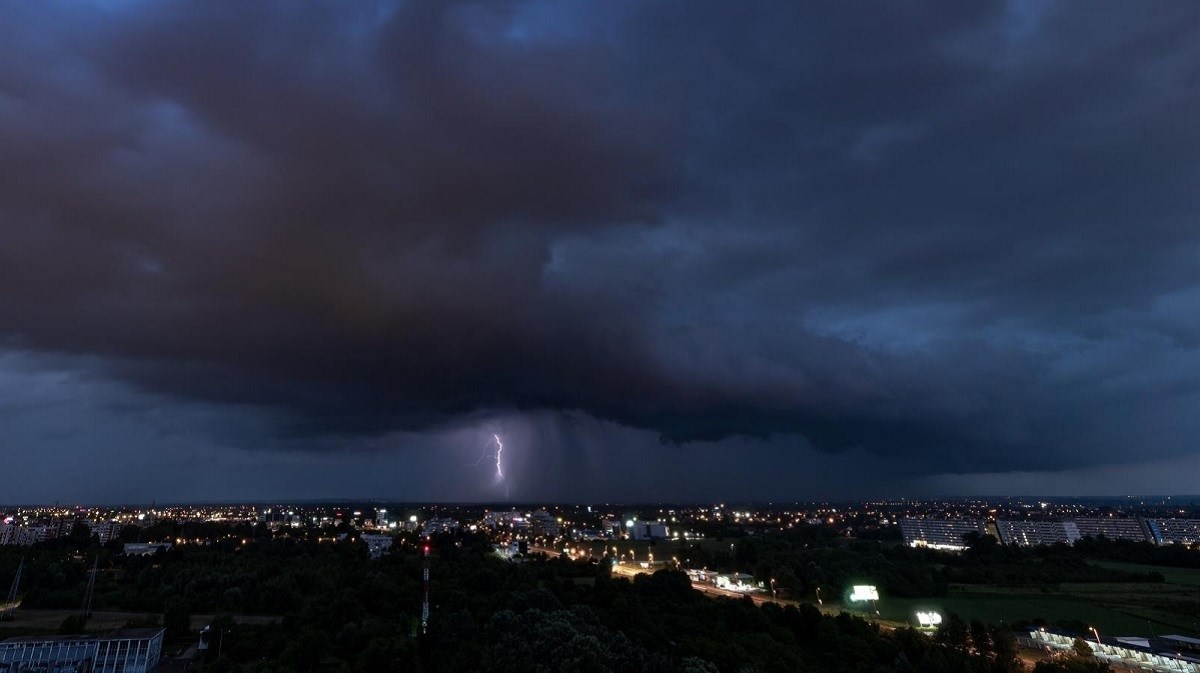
(532, 251)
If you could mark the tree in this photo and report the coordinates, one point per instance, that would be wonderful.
(953, 632)
(73, 624)
(980, 638)
(1081, 648)
(177, 618)
(1004, 647)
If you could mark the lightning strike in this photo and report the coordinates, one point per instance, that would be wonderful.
(499, 451)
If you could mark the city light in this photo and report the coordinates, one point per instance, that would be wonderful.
(864, 592)
(929, 619)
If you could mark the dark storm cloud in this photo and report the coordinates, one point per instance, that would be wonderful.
(961, 234)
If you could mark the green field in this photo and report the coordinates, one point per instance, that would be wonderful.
(1179, 576)
(1113, 608)
(1008, 608)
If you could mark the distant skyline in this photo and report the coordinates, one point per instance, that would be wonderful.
(667, 251)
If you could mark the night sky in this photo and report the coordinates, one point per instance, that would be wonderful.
(665, 250)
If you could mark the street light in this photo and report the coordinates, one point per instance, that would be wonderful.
(1097, 634)
(819, 601)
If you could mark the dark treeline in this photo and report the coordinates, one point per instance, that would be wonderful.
(1127, 551)
(344, 612)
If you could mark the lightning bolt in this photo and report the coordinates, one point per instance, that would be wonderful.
(499, 451)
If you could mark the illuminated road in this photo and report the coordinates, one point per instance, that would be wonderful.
(1027, 657)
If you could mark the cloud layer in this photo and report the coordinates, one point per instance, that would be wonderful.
(960, 238)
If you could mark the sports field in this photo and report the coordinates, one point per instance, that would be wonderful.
(1113, 608)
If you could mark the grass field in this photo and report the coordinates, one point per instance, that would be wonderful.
(1117, 620)
(1114, 608)
(1179, 576)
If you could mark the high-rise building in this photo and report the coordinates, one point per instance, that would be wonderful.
(440, 525)
(945, 534)
(648, 530)
(1175, 531)
(1114, 528)
(1034, 533)
(542, 522)
(376, 544)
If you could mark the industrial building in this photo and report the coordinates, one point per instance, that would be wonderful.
(947, 534)
(1034, 533)
(1174, 531)
(1114, 528)
(123, 651)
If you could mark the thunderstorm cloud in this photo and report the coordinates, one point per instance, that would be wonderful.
(945, 242)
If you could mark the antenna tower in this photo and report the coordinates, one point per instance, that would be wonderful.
(425, 601)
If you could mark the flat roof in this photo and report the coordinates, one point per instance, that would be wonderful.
(119, 634)
(1184, 639)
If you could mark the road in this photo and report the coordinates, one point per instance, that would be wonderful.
(1027, 657)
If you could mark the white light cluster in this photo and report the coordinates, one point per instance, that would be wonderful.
(864, 592)
(929, 619)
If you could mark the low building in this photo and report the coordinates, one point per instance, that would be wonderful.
(1147, 654)
(737, 582)
(122, 651)
(947, 534)
(145, 548)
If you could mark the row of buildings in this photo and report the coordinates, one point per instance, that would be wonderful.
(949, 533)
(15, 532)
(1169, 654)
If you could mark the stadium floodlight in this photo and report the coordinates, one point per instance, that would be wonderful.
(929, 619)
(864, 592)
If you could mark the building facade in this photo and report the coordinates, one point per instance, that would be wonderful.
(1034, 533)
(944, 534)
(123, 651)
(1114, 528)
(1175, 531)
(648, 530)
